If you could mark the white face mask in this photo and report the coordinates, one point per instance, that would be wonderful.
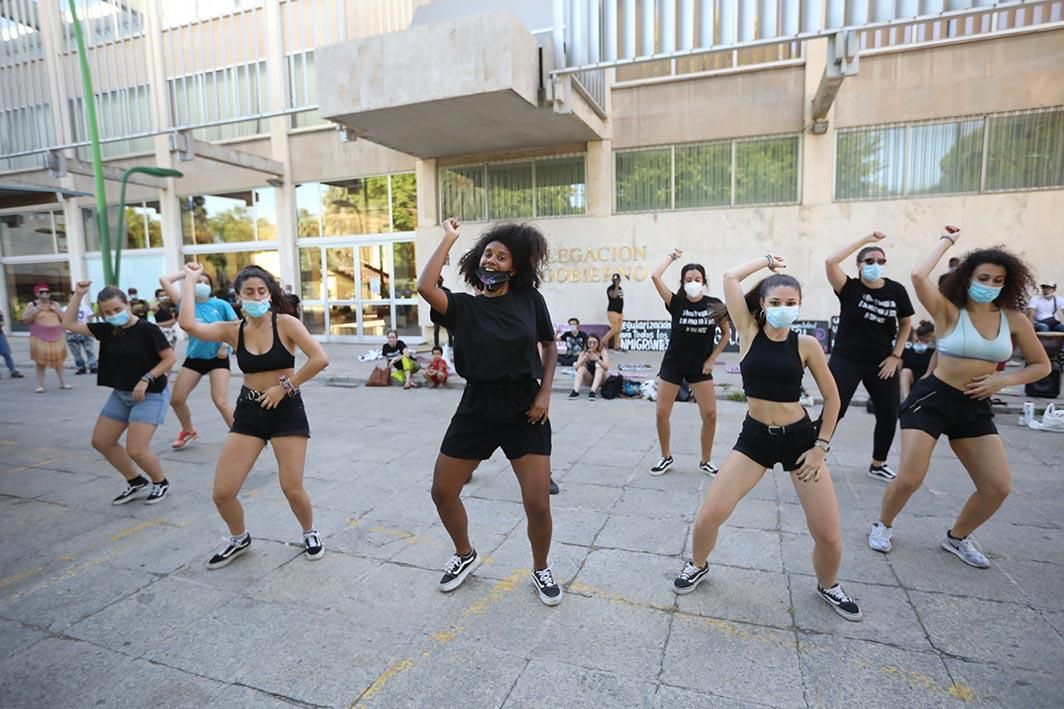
(693, 289)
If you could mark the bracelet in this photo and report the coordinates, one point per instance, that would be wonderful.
(149, 377)
(951, 239)
(286, 383)
(826, 447)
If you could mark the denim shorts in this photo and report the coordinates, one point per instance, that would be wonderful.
(120, 406)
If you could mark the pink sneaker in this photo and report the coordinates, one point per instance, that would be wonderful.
(183, 439)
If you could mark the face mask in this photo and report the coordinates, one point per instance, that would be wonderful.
(492, 280)
(44, 295)
(118, 319)
(574, 329)
(781, 316)
(693, 289)
(980, 293)
(920, 347)
(256, 308)
(203, 291)
(872, 271)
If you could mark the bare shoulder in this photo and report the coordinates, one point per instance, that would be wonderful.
(288, 322)
(809, 347)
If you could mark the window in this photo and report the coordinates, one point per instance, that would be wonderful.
(24, 129)
(360, 205)
(224, 267)
(1026, 151)
(231, 92)
(870, 164)
(519, 189)
(721, 173)
(32, 234)
(229, 218)
(303, 89)
(143, 226)
(118, 114)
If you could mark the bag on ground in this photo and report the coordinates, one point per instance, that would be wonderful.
(611, 388)
(380, 376)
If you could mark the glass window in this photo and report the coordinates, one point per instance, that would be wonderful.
(230, 218)
(118, 114)
(235, 91)
(406, 320)
(1025, 151)
(560, 186)
(266, 214)
(644, 180)
(510, 190)
(405, 269)
(376, 320)
(22, 277)
(343, 319)
(25, 128)
(340, 278)
(310, 273)
(463, 193)
(870, 163)
(404, 202)
(314, 318)
(356, 206)
(542, 187)
(703, 175)
(303, 89)
(27, 234)
(766, 171)
(308, 209)
(223, 268)
(945, 158)
(375, 272)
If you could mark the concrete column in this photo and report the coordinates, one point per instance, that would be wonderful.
(818, 167)
(599, 178)
(276, 71)
(428, 210)
(75, 236)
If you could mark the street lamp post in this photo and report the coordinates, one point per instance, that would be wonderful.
(144, 170)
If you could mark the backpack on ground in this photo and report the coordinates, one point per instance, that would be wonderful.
(611, 388)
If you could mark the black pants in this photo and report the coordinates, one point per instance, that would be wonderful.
(436, 335)
(884, 394)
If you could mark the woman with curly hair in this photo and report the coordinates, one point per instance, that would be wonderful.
(508, 385)
(978, 311)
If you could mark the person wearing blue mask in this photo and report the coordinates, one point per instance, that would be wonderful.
(978, 311)
(134, 361)
(201, 357)
(875, 317)
(777, 429)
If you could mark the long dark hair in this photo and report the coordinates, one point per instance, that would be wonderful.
(278, 303)
(109, 292)
(1018, 279)
(760, 290)
(527, 246)
(693, 267)
(926, 327)
(867, 250)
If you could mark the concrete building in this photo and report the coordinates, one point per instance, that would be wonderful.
(325, 139)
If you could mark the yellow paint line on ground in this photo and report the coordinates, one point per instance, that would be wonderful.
(395, 533)
(919, 680)
(135, 528)
(383, 679)
(4, 583)
(581, 588)
(496, 594)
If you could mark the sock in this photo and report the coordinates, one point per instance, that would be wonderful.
(139, 481)
(240, 537)
(949, 533)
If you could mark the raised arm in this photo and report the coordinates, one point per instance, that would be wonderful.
(427, 282)
(926, 289)
(186, 318)
(663, 290)
(70, 317)
(734, 297)
(836, 276)
(167, 284)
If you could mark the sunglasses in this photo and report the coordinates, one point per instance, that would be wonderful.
(870, 261)
(44, 292)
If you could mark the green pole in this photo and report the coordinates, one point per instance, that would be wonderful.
(97, 158)
(120, 236)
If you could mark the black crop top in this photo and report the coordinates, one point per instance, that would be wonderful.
(278, 357)
(773, 370)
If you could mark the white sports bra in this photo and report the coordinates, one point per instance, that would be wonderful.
(965, 341)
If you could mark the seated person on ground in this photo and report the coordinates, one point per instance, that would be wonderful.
(917, 356)
(437, 371)
(591, 366)
(402, 360)
(573, 342)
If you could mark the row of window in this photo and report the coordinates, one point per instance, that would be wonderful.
(520, 189)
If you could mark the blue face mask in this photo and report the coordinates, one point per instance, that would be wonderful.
(919, 347)
(118, 319)
(255, 308)
(872, 271)
(980, 293)
(781, 316)
(203, 291)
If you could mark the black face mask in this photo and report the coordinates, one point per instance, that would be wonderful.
(492, 280)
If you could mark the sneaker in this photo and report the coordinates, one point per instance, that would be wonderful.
(312, 543)
(81, 370)
(92, 370)
(231, 548)
(843, 604)
(879, 537)
(549, 591)
(158, 492)
(689, 578)
(574, 395)
(883, 472)
(964, 549)
(553, 487)
(661, 466)
(17, 375)
(708, 468)
(591, 396)
(183, 439)
(66, 387)
(132, 490)
(457, 569)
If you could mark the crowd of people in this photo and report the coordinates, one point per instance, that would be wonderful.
(934, 379)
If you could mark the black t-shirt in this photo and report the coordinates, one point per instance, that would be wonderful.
(574, 344)
(615, 304)
(388, 351)
(128, 353)
(916, 361)
(163, 314)
(693, 334)
(498, 337)
(868, 319)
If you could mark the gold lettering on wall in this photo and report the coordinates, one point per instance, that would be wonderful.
(596, 265)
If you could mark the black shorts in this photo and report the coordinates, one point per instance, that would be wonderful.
(288, 419)
(768, 445)
(203, 366)
(935, 407)
(671, 374)
(492, 415)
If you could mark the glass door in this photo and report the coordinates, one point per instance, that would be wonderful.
(340, 290)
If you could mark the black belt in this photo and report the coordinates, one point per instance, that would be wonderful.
(772, 430)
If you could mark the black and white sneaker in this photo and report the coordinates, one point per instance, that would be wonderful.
(591, 396)
(312, 543)
(231, 548)
(882, 472)
(661, 466)
(689, 578)
(133, 489)
(843, 604)
(457, 569)
(574, 395)
(158, 492)
(708, 468)
(549, 590)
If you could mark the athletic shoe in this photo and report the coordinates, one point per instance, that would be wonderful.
(879, 536)
(17, 375)
(81, 370)
(183, 439)
(689, 578)
(591, 396)
(549, 591)
(964, 549)
(708, 468)
(93, 370)
(231, 548)
(132, 490)
(66, 387)
(574, 395)
(661, 466)
(158, 492)
(553, 487)
(312, 543)
(457, 569)
(883, 472)
(843, 604)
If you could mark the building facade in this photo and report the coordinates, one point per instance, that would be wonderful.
(333, 136)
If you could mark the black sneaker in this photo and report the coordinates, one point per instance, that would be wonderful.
(574, 395)
(591, 396)
(708, 468)
(133, 489)
(843, 604)
(549, 591)
(81, 370)
(231, 548)
(689, 578)
(553, 487)
(457, 569)
(158, 492)
(661, 466)
(882, 472)
(312, 543)
(93, 370)
(17, 375)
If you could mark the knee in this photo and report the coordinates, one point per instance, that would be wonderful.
(709, 417)
(220, 402)
(224, 494)
(662, 413)
(906, 484)
(139, 453)
(442, 495)
(827, 539)
(178, 399)
(102, 444)
(997, 490)
(712, 516)
(538, 511)
(293, 490)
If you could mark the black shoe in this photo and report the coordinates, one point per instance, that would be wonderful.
(549, 591)
(158, 492)
(591, 396)
(92, 370)
(81, 370)
(882, 472)
(17, 375)
(553, 487)
(313, 545)
(661, 466)
(574, 395)
(689, 578)
(842, 603)
(231, 548)
(457, 569)
(134, 488)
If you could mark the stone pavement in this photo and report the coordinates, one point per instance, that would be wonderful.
(113, 606)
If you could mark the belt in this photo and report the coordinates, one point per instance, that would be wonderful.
(249, 394)
(773, 430)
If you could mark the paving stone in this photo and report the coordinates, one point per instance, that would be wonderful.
(992, 685)
(642, 579)
(658, 536)
(584, 497)
(259, 561)
(234, 695)
(745, 595)
(747, 548)
(16, 637)
(576, 526)
(859, 563)
(668, 697)
(515, 554)
(560, 685)
(302, 582)
(1041, 583)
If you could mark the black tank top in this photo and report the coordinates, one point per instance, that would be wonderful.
(773, 370)
(276, 358)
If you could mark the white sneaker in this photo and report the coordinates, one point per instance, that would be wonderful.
(965, 550)
(661, 466)
(879, 537)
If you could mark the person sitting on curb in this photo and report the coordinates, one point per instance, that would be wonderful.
(437, 372)
(593, 364)
(401, 359)
(574, 341)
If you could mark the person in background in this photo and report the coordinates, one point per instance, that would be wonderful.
(917, 356)
(5, 352)
(47, 340)
(81, 345)
(1043, 309)
(592, 365)
(165, 317)
(615, 313)
(138, 306)
(437, 371)
(574, 340)
(295, 305)
(400, 359)
(950, 268)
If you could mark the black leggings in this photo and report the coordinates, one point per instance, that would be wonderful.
(883, 392)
